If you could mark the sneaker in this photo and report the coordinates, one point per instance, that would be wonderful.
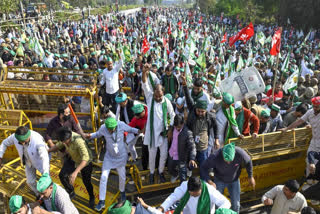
(162, 178)
(151, 178)
(100, 205)
(91, 203)
(122, 196)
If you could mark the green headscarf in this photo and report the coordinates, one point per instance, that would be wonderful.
(110, 123)
(125, 209)
(229, 152)
(224, 211)
(137, 109)
(15, 203)
(44, 182)
(22, 138)
(201, 104)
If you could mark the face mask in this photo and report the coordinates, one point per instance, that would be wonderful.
(65, 117)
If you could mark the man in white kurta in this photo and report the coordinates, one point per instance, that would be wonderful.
(33, 152)
(115, 157)
(157, 141)
(216, 198)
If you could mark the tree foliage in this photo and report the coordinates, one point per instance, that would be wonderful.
(8, 6)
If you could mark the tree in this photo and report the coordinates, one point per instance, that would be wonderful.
(8, 6)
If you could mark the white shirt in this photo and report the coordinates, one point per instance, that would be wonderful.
(314, 121)
(281, 205)
(158, 117)
(216, 198)
(111, 78)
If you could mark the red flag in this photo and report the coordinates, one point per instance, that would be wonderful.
(94, 30)
(180, 25)
(200, 20)
(169, 29)
(145, 45)
(224, 39)
(276, 42)
(148, 20)
(244, 34)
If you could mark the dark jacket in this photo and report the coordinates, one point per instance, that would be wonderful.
(211, 117)
(129, 111)
(186, 146)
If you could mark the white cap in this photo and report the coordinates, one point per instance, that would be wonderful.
(180, 101)
(192, 62)
(238, 105)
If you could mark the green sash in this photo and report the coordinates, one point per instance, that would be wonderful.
(53, 196)
(151, 81)
(196, 97)
(240, 120)
(164, 113)
(169, 84)
(203, 206)
(232, 121)
(125, 209)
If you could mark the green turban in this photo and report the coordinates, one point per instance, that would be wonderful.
(22, 138)
(137, 109)
(121, 97)
(229, 152)
(225, 211)
(227, 98)
(131, 71)
(169, 96)
(125, 209)
(44, 182)
(15, 203)
(202, 104)
(110, 123)
(265, 113)
(109, 59)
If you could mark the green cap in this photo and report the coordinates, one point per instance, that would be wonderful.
(110, 123)
(204, 79)
(227, 98)
(12, 53)
(57, 55)
(306, 58)
(238, 105)
(265, 113)
(182, 70)
(169, 96)
(93, 53)
(121, 97)
(296, 104)
(195, 72)
(64, 55)
(137, 109)
(85, 66)
(76, 67)
(275, 107)
(15, 203)
(131, 70)
(224, 211)
(211, 82)
(48, 52)
(125, 209)
(109, 59)
(229, 152)
(22, 138)
(44, 182)
(201, 104)
(6, 49)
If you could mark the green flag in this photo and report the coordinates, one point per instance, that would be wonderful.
(285, 65)
(202, 60)
(292, 82)
(240, 64)
(261, 38)
(268, 40)
(305, 39)
(188, 74)
(127, 53)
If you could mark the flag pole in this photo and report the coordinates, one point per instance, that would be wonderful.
(275, 77)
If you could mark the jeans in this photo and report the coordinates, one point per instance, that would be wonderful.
(68, 168)
(202, 156)
(176, 167)
(234, 191)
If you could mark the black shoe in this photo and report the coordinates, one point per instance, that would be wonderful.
(72, 195)
(91, 203)
(151, 178)
(162, 178)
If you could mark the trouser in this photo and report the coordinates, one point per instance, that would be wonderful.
(31, 174)
(202, 156)
(234, 191)
(163, 157)
(131, 146)
(68, 168)
(176, 167)
(110, 100)
(312, 192)
(104, 179)
(145, 157)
